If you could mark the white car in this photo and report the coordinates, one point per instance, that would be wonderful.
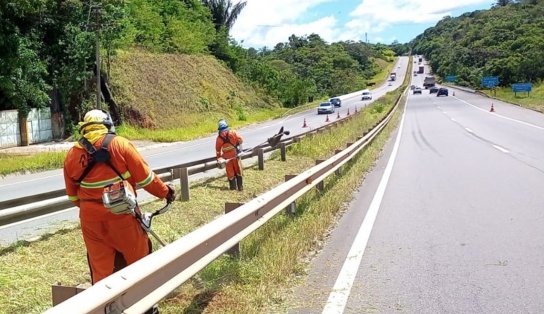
(366, 95)
(326, 107)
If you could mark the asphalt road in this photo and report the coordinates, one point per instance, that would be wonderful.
(159, 156)
(449, 221)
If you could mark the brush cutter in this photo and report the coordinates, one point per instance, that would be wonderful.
(272, 141)
(145, 220)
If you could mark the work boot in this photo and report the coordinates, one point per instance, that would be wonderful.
(240, 183)
(232, 184)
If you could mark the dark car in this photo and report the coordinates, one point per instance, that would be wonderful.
(433, 90)
(416, 90)
(337, 102)
(442, 91)
(325, 107)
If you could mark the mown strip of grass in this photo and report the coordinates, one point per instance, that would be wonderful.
(32, 163)
(268, 257)
(534, 100)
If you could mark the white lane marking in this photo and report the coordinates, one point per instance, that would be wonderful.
(501, 149)
(452, 119)
(338, 297)
(469, 130)
(501, 116)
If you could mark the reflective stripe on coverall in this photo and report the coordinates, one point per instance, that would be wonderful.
(225, 147)
(106, 234)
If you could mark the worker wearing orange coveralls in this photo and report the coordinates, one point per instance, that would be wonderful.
(113, 239)
(227, 146)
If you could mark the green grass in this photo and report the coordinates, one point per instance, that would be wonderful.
(385, 70)
(32, 163)
(269, 257)
(534, 101)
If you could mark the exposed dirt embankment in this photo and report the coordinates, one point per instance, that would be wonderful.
(171, 90)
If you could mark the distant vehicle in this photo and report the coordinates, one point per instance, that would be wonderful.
(420, 59)
(326, 107)
(412, 87)
(421, 69)
(337, 102)
(442, 91)
(417, 90)
(429, 82)
(433, 90)
(393, 76)
(389, 84)
(366, 95)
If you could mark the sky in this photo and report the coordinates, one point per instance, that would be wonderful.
(268, 22)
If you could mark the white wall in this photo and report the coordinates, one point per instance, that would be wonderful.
(38, 124)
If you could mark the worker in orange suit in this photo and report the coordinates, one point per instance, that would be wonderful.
(113, 236)
(228, 145)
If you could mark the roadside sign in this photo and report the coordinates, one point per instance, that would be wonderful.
(521, 87)
(490, 81)
(451, 78)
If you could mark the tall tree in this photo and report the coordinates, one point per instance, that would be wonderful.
(224, 13)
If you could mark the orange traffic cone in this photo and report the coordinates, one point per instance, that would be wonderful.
(347, 113)
(492, 108)
(327, 120)
(338, 115)
(305, 125)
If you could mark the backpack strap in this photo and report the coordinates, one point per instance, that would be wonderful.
(97, 156)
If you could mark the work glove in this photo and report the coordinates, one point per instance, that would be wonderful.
(221, 162)
(171, 196)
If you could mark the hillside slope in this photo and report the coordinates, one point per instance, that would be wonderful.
(173, 90)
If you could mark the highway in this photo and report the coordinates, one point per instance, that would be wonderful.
(15, 186)
(449, 221)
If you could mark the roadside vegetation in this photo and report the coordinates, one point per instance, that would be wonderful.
(270, 258)
(505, 41)
(534, 100)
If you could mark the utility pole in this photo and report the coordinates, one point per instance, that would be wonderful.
(97, 9)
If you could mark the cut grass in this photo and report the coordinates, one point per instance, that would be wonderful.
(268, 258)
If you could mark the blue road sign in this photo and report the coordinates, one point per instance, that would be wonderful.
(451, 78)
(490, 81)
(522, 87)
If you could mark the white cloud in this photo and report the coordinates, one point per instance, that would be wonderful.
(268, 22)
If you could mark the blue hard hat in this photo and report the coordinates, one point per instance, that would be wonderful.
(222, 125)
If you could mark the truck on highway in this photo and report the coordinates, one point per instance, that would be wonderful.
(421, 69)
(393, 76)
(429, 82)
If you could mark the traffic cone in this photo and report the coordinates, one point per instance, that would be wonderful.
(347, 113)
(327, 120)
(305, 125)
(453, 93)
(338, 115)
(492, 108)
(355, 109)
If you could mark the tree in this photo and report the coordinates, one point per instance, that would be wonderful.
(224, 13)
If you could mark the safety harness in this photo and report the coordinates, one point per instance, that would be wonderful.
(118, 197)
(97, 156)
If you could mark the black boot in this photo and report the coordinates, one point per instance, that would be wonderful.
(232, 184)
(240, 183)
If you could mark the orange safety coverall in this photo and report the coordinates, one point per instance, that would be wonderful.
(112, 241)
(225, 147)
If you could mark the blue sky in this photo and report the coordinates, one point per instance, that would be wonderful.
(268, 22)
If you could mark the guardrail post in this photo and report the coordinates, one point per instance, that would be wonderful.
(283, 152)
(338, 172)
(235, 250)
(260, 157)
(291, 209)
(321, 185)
(184, 183)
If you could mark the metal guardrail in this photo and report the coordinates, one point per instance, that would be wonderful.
(139, 286)
(44, 203)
